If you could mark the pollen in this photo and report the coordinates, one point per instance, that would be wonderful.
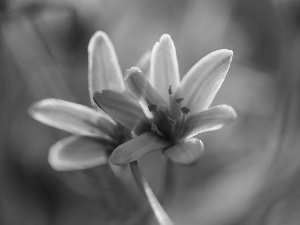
(179, 100)
(170, 90)
(185, 110)
(152, 107)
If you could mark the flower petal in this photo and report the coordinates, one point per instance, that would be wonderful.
(164, 67)
(75, 153)
(200, 85)
(104, 68)
(138, 85)
(71, 117)
(137, 147)
(212, 119)
(187, 152)
(123, 109)
(144, 63)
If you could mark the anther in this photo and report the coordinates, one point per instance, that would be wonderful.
(185, 110)
(179, 100)
(152, 107)
(170, 90)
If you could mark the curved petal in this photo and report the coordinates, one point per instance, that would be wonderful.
(123, 109)
(200, 85)
(76, 153)
(71, 117)
(164, 67)
(138, 85)
(137, 148)
(104, 68)
(212, 119)
(144, 63)
(187, 152)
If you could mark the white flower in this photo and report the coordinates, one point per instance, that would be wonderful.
(180, 109)
(95, 133)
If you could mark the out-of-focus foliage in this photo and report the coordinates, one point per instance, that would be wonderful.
(249, 172)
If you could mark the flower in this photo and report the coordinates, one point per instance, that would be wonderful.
(95, 133)
(179, 109)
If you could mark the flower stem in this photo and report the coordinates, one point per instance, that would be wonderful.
(157, 209)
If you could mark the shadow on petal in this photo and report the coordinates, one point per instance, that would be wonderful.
(138, 85)
(137, 148)
(104, 68)
(124, 109)
(185, 153)
(212, 119)
(71, 117)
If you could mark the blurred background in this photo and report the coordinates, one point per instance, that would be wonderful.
(250, 172)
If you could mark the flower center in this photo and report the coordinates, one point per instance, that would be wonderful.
(169, 122)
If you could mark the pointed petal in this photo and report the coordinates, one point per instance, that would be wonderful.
(144, 63)
(212, 119)
(104, 68)
(124, 109)
(71, 117)
(164, 67)
(140, 88)
(76, 153)
(137, 147)
(187, 152)
(200, 85)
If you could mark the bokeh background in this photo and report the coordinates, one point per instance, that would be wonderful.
(250, 172)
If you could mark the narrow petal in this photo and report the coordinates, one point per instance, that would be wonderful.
(137, 147)
(138, 85)
(104, 68)
(75, 153)
(122, 108)
(212, 119)
(185, 153)
(203, 81)
(164, 67)
(72, 117)
(144, 63)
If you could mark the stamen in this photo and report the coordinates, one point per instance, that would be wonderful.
(179, 100)
(152, 107)
(173, 125)
(185, 110)
(182, 121)
(155, 129)
(170, 89)
(171, 121)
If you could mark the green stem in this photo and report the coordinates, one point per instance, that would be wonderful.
(157, 209)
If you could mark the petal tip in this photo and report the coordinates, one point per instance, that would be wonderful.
(35, 108)
(186, 153)
(165, 40)
(53, 157)
(32, 109)
(59, 159)
(165, 37)
(115, 160)
(132, 71)
(97, 37)
(225, 53)
(230, 110)
(234, 114)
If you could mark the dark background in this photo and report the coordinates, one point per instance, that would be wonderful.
(250, 171)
